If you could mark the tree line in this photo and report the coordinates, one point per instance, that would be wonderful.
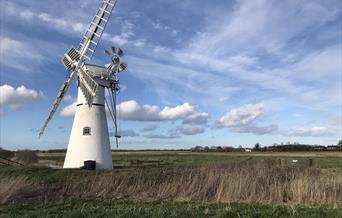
(275, 147)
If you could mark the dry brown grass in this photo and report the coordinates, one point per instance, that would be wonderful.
(12, 186)
(252, 181)
(262, 181)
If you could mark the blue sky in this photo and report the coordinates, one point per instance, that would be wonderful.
(213, 73)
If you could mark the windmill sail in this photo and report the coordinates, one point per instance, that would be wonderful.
(64, 88)
(74, 58)
(70, 58)
(88, 86)
(95, 30)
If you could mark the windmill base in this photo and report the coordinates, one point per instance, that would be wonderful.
(89, 138)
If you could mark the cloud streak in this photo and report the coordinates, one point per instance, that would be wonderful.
(195, 130)
(125, 133)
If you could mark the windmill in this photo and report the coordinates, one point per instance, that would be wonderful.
(89, 138)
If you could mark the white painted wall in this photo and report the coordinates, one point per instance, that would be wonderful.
(89, 147)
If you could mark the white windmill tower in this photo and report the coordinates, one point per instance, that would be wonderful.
(89, 138)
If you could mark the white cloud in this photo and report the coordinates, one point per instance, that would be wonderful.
(68, 111)
(178, 112)
(18, 54)
(118, 40)
(131, 110)
(244, 119)
(60, 23)
(8, 44)
(70, 23)
(27, 14)
(243, 115)
(196, 119)
(17, 97)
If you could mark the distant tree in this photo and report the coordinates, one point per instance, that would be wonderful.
(6, 153)
(219, 148)
(339, 143)
(197, 148)
(256, 147)
(213, 148)
(228, 149)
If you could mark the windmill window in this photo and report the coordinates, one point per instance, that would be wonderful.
(86, 131)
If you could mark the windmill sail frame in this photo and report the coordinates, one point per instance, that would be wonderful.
(74, 58)
(88, 86)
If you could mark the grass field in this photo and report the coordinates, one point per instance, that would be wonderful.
(178, 184)
(91, 207)
(123, 159)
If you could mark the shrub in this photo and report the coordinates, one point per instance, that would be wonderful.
(6, 153)
(26, 156)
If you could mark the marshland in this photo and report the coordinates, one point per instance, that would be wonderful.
(192, 183)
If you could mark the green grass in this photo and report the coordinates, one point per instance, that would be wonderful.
(198, 159)
(44, 174)
(329, 162)
(133, 208)
(171, 159)
(123, 159)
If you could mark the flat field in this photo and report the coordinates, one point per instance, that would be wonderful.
(178, 184)
(181, 158)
